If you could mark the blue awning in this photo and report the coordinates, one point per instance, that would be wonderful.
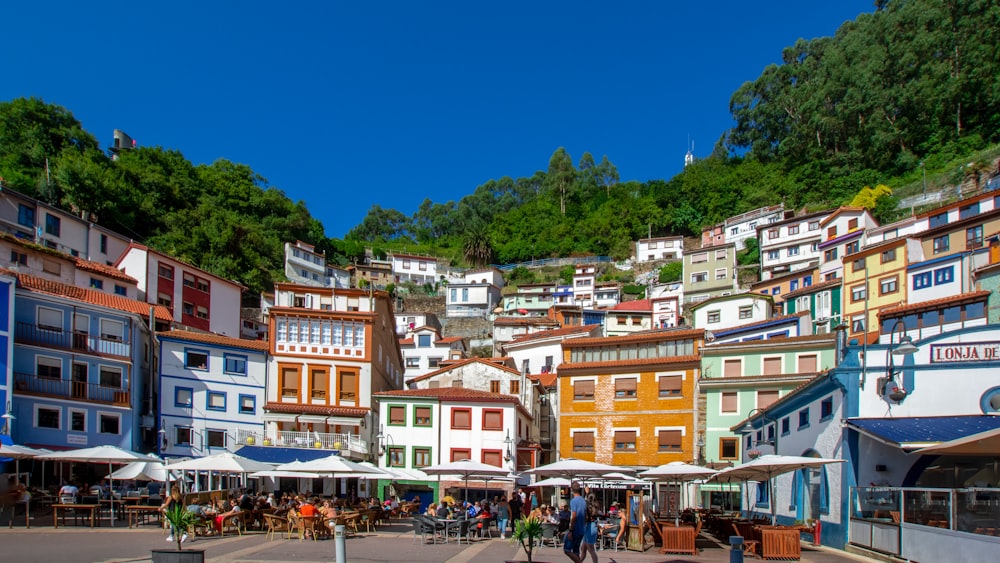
(919, 432)
(278, 455)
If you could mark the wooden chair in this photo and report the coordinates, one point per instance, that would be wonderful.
(275, 524)
(296, 526)
(749, 544)
(366, 519)
(350, 522)
(233, 523)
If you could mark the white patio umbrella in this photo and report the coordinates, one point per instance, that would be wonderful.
(767, 467)
(111, 455)
(332, 466)
(467, 469)
(17, 453)
(225, 462)
(274, 473)
(677, 472)
(552, 482)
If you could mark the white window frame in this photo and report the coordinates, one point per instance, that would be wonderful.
(49, 312)
(69, 419)
(34, 417)
(115, 415)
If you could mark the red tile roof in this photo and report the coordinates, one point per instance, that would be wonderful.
(259, 345)
(486, 361)
(629, 363)
(555, 332)
(104, 270)
(932, 304)
(451, 394)
(546, 379)
(91, 296)
(294, 408)
(515, 321)
(644, 305)
(643, 336)
(831, 337)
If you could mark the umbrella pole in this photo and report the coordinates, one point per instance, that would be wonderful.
(111, 486)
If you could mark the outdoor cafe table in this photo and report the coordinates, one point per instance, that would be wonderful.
(136, 512)
(92, 508)
(678, 539)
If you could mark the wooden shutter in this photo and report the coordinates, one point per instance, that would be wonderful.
(729, 401)
(625, 387)
(732, 368)
(492, 420)
(625, 439)
(492, 457)
(422, 415)
(670, 440)
(772, 366)
(397, 415)
(807, 364)
(583, 441)
(583, 390)
(765, 398)
(461, 418)
(459, 455)
(670, 385)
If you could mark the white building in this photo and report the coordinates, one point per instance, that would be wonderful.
(584, 283)
(730, 311)
(424, 349)
(212, 392)
(790, 245)
(506, 329)
(405, 322)
(743, 226)
(666, 300)
(541, 352)
(659, 248)
(475, 295)
(607, 295)
(304, 265)
(416, 269)
(938, 278)
(844, 233)
(628, 317)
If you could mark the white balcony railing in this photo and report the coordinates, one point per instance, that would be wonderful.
(344, 442)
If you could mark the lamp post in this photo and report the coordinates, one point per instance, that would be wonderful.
(701, 449)
(8, 417)
(888, 386)
(508, 443)
(384, 441)
(748, 428)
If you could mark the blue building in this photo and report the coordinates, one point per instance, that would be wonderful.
(7, 283)
(81, 365)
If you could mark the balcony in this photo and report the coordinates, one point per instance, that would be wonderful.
(349, 445)
(52, 337)
(31, 384)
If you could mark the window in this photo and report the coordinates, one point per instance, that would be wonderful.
(421, 457)
(216, 401)
(766, 398)
(938, 220)
(164, 299)
(459, 454)
(858, 265)
(830, 255)
(732, 367)
(248, 404)
(289, 382)
(583, 390)
(183, 396)
(941, 244)
(699, 258)
(922, 280)
(670, 385)
(793, 229)
(182, 436)
(826, 408)
(793, 285)
(699, 277)
(188, 280)
(803, 418)
(492, 419)
(858, 323)
(165, 271)
(46, 417)
(492, 457)
(347, 386)
(53, 225)
(967, 211)
(109, 423)
(188, 308)
(583, 441)
(25, 216)
(793, 250)
(944, 275)
(729, 448)
(195, 359)
(49, 368)
(714, 316)
(785, 426)
(515, 385)
(215, 438)
(412, 362)
(721, 274)
(18, 258)
(888, 285)
(813, 225)
(889, 255)
(771, 366)
(852, 248)
(201, 312)
(319, 383)
(121, 290)
(772, 234)
(669, 440)
(234, 364)
(465, 294)
(397, 456)
(202, 285)
(461, 419)
(495, 386)
(858, 293)
(807, 363)
(625, 440)
(625, 388)
(111, 377)
(746, 311)
(730, 402)
(773, 254)
(423, 341)
(421, 416)
(77, 420)
(721, 254)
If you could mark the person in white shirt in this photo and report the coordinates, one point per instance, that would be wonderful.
(69, 490)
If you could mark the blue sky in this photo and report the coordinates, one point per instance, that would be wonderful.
(348, 104)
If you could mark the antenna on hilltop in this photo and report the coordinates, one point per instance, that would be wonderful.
(689, 157)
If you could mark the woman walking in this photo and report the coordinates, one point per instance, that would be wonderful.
(503, 516)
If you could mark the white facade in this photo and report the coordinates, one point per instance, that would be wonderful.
(628, 318)
(659, 248)
(475, 295)
(790, 245)
(416, 269)
(542, 352)
(405, 322)
(899, 229)
(731, 311)
(424, 349)
(937, 278)
(665, 300)
(584, 284)
(844, 233)
(211, 392)
(506, 329)
(741, 227)
(969, 207)
(607, 295)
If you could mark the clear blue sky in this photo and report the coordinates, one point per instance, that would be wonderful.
(349, 104)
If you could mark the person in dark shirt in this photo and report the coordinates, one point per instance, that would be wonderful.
(515, 508)
(442, 511)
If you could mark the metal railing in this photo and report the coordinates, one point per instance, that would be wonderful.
(554, 262)
(311, 440)
(31, 384)
(52, 337)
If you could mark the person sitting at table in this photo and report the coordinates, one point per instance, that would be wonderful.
(68, 492)
(328, 512)
(442, 511)
(431, 510)
(153, 488)
(482, 518)
(537, 513)
(223, 515)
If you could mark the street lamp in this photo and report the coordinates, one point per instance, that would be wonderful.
(508, 447)
(384, 441)
(888, 386)
(748, 428)
(701, 449)
(7, 417)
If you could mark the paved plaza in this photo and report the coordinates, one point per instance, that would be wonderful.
(395, 542)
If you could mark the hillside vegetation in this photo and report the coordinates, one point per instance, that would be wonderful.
(907, 90)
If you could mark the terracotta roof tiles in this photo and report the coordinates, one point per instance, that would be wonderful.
(451, 394)
(643, 305)
(259, 345)
(487, 361)
(629, 363)
(814, 287)
(642, 336)
(932, 304)
(555, 332)
(295, 408)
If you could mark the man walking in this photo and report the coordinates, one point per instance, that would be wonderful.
(577, 525)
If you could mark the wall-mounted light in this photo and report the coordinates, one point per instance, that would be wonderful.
(7, 417)
(509, 447)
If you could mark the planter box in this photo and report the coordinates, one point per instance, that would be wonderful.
(174, 556)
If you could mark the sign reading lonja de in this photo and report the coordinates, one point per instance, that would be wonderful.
(965, 352)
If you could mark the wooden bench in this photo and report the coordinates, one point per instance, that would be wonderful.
(136, 512)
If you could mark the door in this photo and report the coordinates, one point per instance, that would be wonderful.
(79, 383)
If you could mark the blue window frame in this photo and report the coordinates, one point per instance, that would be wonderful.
(195, 359)
(763, 494)
(785, 426)
(235, 364)
(826, 409)
(53, 225)
(215, 401)
(121, 290)
(922, 280)
(96, 283)
(804, 418)
(183, 396)
(248, 404)
(944, 275)
(793, 285)
(807, 281)
(749, 441)
(25, 215)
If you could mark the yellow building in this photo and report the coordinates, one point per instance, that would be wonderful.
(875, 279)
(630, 400)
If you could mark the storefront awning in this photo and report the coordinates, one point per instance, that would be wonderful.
(312, 419)
(278, 417)
(277, 455)
(913, 433)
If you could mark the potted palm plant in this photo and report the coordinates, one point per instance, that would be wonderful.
(180, 520)
(527, 531)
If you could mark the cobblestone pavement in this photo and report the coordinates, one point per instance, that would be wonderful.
(394, 542)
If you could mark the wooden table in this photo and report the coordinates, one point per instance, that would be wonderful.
(92, 508)
(678, 539)
(134, 512)
(779, 543)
